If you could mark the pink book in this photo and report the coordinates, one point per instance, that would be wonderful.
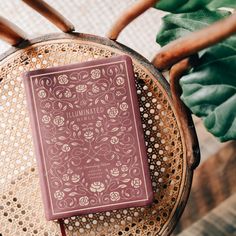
(88, 137)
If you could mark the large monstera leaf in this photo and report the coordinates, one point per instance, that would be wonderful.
(181, 6)
(178, 25)
(209, 89)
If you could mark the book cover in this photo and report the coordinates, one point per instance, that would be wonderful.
(88, 137)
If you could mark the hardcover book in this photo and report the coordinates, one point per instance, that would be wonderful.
(88, 137)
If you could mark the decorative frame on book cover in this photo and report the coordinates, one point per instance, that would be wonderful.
(171, 141)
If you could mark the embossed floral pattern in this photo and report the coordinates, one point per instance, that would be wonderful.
(124, 168)
(65, 177)
(63, 79)
(83, 102)
(120, 80)
(112, 112)
(118, 163)
(124, 106)
(114, 140)
(67, 94)
(98, 123)
(46, 119)
(59, 121)
(115, 172)
(84, 201)
(86, 115)
(42, 93)
(59, 195)
(115, 196)
(97, 187)
(118, 93)
(95, 88)
(88, 134)
(136, 182)
(47, 105)
(75, 127)
(75, 178)
(65, 148)
(95, 74)
(81, 88)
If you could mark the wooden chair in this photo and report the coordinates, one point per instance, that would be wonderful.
(172, 145)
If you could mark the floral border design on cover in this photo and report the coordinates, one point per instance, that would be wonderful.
(95, 161)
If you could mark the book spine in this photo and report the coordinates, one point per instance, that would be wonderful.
(37, 144)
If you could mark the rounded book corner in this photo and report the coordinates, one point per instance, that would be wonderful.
(150, 199)
(127, 57)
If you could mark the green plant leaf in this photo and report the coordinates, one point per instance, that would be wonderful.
(178, 25)
(209, 89)
(181, 6)
(222, 3)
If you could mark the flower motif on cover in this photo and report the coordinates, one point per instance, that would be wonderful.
(124, 168)
(124, 106)
(47, 105)
(95, 74)
(97, 187)
(75, 127)
(88, 134)
(65, 177)
(114, 140)
(136, 182)
(65, 148)
(42, 93)
(118, 93)
(115, 196)
(59, 121)
(81, 88)
(95, 88)
(120, 80)
(84, 201)
(115, 172)
(112, 112)
(59, 195)
(83, 102)
(75, 178)
(63, 79)
(46, 119)
(98, 123)
(67, 94)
